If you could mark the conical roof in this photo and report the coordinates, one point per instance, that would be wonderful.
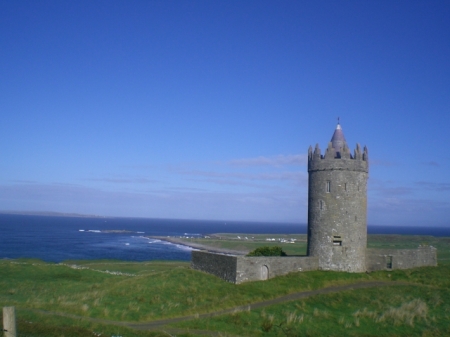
(338, 139)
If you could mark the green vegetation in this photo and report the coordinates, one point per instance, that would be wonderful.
(388, 311)
(296, 244)
(84, 298)
(267, 251)
(249, 242)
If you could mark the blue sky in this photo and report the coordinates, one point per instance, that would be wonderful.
(206, 109)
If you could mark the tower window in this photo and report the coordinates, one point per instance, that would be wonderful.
(328, 186)
(321, 204)
(337, 240)
(345, 187)
(389, 262)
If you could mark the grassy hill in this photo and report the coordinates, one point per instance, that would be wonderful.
(93, 298)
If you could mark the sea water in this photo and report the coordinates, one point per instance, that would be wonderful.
(56, 239)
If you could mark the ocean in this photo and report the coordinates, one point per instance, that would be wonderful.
(57, 239)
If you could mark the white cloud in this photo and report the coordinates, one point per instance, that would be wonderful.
(123, 180)
(439, 187)
(277, 161)
(431, 163)
(282, 206)
(292, 176)
(408, 211)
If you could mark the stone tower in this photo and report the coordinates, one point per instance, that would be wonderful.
(337, 205)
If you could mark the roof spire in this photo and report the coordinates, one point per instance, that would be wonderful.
(338, 139)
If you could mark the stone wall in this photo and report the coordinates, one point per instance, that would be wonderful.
(223, 266)
(256, 268)
(239, 269)
(390, 259)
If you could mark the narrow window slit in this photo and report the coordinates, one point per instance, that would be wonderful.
(337, 240)
(389, 262)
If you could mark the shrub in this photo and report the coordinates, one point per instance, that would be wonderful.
(267, 251)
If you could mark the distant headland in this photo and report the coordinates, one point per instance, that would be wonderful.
(69, 215)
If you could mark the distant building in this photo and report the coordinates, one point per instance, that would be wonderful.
(337, 225)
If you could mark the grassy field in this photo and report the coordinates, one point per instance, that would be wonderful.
(248, 242)
(389, 311)
(88, 298)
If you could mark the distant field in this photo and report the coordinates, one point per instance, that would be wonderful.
(248, 242)
(63, 299)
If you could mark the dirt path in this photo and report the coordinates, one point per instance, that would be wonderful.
(158, 324)
(258, 305)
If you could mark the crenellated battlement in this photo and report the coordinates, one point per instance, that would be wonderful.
(340, 159)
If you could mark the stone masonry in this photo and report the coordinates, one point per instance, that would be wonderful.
(337, 205)
(239, 269)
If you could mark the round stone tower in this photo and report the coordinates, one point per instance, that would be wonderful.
(337, 205)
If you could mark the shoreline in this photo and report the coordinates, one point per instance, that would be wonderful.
(197, 246)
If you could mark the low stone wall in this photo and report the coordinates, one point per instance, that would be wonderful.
(239, 269)
(223, 266)
(390, 259)
(257, 268)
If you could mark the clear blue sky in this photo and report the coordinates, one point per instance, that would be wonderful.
(206, 109)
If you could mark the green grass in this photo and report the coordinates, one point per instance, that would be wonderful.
(146, 291)
(164, 290)
(387, 311)
(231, 241)
(412, 241)
(32, 324)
